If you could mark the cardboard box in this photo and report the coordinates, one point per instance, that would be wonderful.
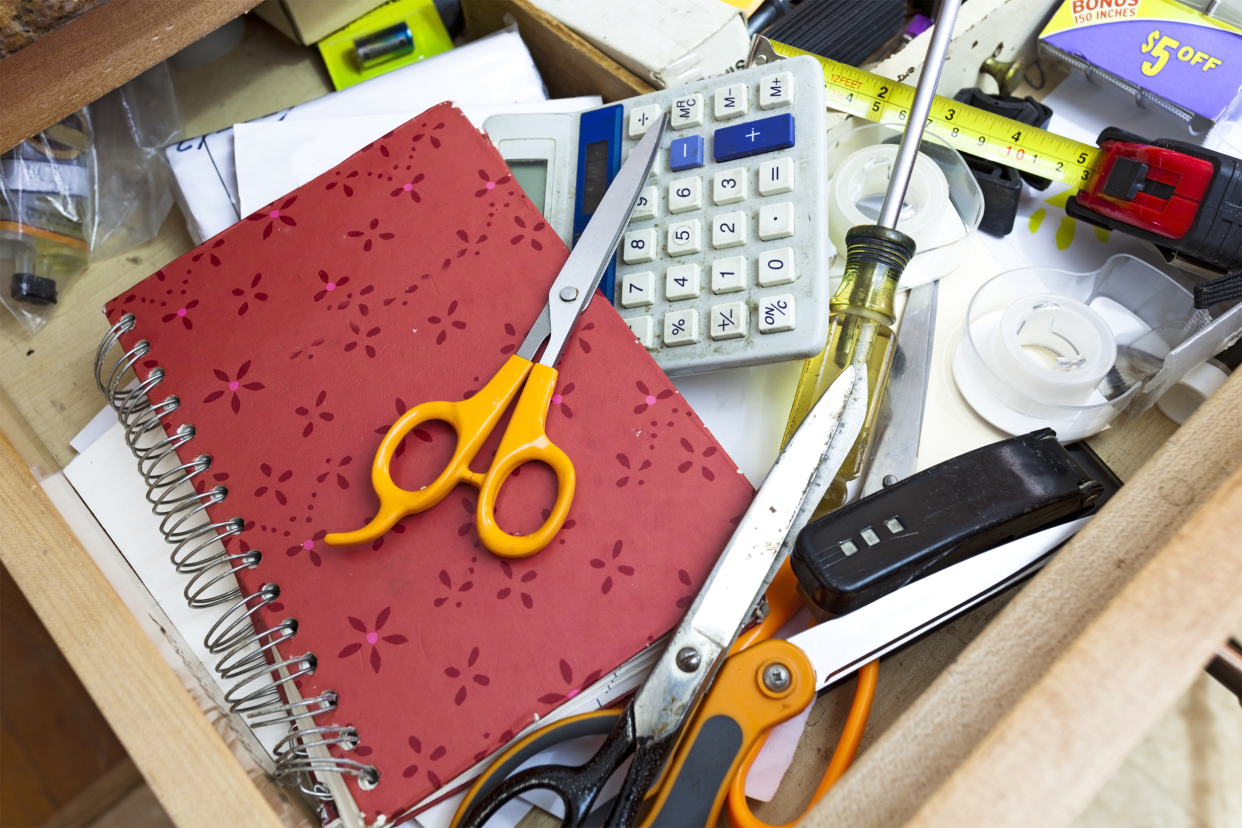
(310, 21)
(665, 42)
(1160, 53)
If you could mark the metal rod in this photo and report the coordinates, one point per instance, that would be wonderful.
(903, 165)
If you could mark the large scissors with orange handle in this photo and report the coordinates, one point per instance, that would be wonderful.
(756, 688)
(525, 439)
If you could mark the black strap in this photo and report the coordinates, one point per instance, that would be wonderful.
(1224, 289)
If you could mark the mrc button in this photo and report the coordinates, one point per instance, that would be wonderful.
(753, 138)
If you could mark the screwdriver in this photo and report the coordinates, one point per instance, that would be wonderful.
(862, 314)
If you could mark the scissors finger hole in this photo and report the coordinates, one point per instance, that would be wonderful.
(526, 498)
(572, 753)
(423, 454)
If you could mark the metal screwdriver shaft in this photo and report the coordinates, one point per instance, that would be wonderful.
(861, 327)
(903, 165)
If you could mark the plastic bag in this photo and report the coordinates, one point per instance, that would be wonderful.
(87, 188)
(45, 189)
(131, 191)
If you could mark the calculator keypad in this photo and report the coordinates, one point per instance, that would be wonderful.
(776, 221)
(685, 238)
(647, 206)
(731, 101)
(726, 259)
(682, 282)
(637, 289)
(729, 186)
(685, 194)
(776, 177)
(639, 246)
(729, 230)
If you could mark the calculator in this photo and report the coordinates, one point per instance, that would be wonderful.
(725, 261)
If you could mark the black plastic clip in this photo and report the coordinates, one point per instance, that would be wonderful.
(1002, 185)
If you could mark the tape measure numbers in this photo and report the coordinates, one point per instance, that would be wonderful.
(967, 129)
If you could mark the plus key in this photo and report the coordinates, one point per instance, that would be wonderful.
(753, 138)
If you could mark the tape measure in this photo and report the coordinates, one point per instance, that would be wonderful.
(967, 129)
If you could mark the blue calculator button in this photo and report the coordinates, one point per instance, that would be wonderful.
(686, 153)
(753, 138)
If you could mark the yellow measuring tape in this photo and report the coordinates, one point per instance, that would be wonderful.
(967, 129)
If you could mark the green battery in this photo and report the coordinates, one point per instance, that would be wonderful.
(384, 45)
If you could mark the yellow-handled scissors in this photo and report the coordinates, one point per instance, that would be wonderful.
(525, 439)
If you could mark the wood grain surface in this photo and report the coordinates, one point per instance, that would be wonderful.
(569, 64)
(94, 54)
(185, 762)
(968, 701)
(1057, 747)
(54, 743)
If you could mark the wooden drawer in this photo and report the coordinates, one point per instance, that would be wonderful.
(1014, 715)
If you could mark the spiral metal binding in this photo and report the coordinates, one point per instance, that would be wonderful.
(263, 692)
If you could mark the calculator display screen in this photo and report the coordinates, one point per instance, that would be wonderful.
(595, 176)
(532, 177)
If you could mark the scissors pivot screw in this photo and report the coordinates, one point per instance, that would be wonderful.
(569, 293)
(776, 677)
(889, 480)
(688, 659)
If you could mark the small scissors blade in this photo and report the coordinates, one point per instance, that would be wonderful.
(576, 284)
(841, 645)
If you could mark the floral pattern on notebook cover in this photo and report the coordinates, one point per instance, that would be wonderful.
(295, 338)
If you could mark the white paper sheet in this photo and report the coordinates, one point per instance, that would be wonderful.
(493, 70)
(276, 157)
(105, 475)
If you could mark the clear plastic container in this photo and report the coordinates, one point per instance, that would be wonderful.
(1151, 321)
(44, 217)
(942, 207)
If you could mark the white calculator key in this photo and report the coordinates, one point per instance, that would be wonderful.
(681, 282)
(642, 329)
(641, 119)
(681, 327)
(776, 314)
(729, 186)
(776, 90)
(637, 289)
(776, 177)
(729, 274)
(685, 194)
(776, 267)
(728, 230)
(732, 102)
(646, 207)
(687, 112)
(639, 246)
(684, 238)
(776, 221)
(728, 321)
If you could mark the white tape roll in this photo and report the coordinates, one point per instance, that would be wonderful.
(1053, 348)
(927, 215)
(1039, 364)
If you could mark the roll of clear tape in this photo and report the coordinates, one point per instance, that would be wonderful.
(1054, 348)
(856, 193)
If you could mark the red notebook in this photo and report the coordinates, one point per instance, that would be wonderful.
(296, 337)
